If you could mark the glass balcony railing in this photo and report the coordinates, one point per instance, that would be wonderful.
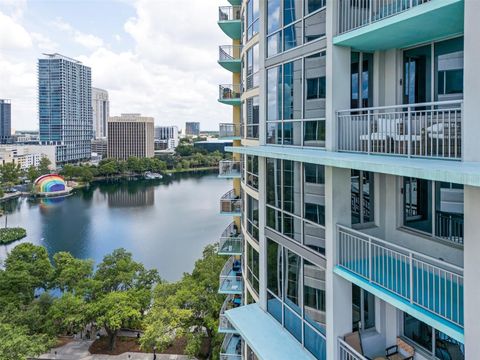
(230, 131)
(432, 130)
(231, 204)
(231, 281)
(231, 241)
(424, 281)
(229, 20)
(229, 169)
(229, 13)
(231, 347)
(353, 14)
(229, 94)
(229, 57)
(231, 302)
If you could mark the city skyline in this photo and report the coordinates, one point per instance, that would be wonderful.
(115, 46)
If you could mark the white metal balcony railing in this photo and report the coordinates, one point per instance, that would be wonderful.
(353, 14)
(229, 168)
(231, 347)
(231, 280)
(229, 13)
(230, 203)
(231, 241)
(346, 352)
(228, 130)
(415, 130)
(231, 302)
(432, 284)
(229, 52)
(228, 92)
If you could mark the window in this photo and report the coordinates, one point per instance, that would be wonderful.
(252, 67)
(253, 15)
(315, 26)
(291, 187)
(363, 309)
(361, 80)
(252, 217)
(362, 197)
(292, 280)
(292, 90)
(274, 93)
(316, 88)
(314, 296)
(252, 171)
(426, 203)
(252, 112)
(273, 16)
(253, 268)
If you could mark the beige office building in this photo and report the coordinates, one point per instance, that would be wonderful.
(130, 135)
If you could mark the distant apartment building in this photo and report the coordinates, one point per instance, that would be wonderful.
(5, 120)
(100, 112)
(99, 147)
(166, 137)
(65, 107)
(192, 128)
(130, 135)
(27, 155)
(26, 137)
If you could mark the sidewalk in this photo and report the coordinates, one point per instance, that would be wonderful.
(78, 350)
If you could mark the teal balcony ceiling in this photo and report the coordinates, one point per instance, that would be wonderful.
(229, 57)
(423, 23)
(232, 65)
(235, 2)
(229, 20)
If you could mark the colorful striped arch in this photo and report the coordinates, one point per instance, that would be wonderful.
(49, 183)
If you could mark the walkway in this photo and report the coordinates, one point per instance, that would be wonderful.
(78, 350)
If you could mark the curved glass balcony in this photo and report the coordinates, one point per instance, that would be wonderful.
(229, 57)
(231, 281)
(228, 131)
(231, 241)
(229, 169)
(231, 204)
(229, 94)
(231, 302)
(229, 20)
(231, 347)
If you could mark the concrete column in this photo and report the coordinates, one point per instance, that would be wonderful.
(339, 291)
(471, 270)
(262, 239)
(471, 125)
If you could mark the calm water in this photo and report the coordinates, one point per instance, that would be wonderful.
(164, 223)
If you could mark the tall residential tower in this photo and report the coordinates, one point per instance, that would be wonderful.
(100, 113)
(5, 120)
(355, 233)
(65, 106)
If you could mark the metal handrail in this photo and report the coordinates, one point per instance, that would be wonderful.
(229, 13)
(229, 168)
(229, 91)
(228, 238)
(346, 352)
(229, 130)
(401, 106)
(229, 52)
(224, 323)
(227, 356)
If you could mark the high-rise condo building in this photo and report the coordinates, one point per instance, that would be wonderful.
(5, 120)
(192, 128)
(356, 197)
(130, 135)
(167, 135)
(100, 112)
(65, 106)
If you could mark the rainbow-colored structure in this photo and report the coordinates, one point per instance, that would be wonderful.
(50, 183)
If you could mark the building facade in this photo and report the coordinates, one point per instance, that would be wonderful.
(100, 147)
(28, 155)
(356, 198)
(167, 135)
(192, 128)
(130, 135)
(65, 107)
(5, 120)
(100, 112)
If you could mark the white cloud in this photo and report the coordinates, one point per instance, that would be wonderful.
(88, 40)
(44, 43)
(13, 35)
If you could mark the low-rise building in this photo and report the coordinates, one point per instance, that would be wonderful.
(27, 155)
(99, 147)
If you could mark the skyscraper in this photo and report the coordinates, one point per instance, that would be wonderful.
(130, 135)
(5, 120)
(167, 135)
(355, 231)
(101, 112)
(192, 128)
(65, 106)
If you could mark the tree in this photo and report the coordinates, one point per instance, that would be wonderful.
(72, 275)
(10, 173)
(44, 165)
(17, 344)
(188, 308)
(32, 173)
(68, 314)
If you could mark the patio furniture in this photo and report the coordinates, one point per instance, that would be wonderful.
(400, 351)
(382, 135)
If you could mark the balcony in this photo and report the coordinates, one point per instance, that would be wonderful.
(231, 302)
(229, 169)
(231, 347)
(229, 131)
(430, 130)
(370, 25)
(426, 285)
(235, 2)
(230, 204)
(346, 352)
(231, 281)
(229, 94)
(231, 241)
(229, 57)
(229, 20)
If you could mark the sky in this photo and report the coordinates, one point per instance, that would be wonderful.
(154, 57)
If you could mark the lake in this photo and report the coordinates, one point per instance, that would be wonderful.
(164, 223)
